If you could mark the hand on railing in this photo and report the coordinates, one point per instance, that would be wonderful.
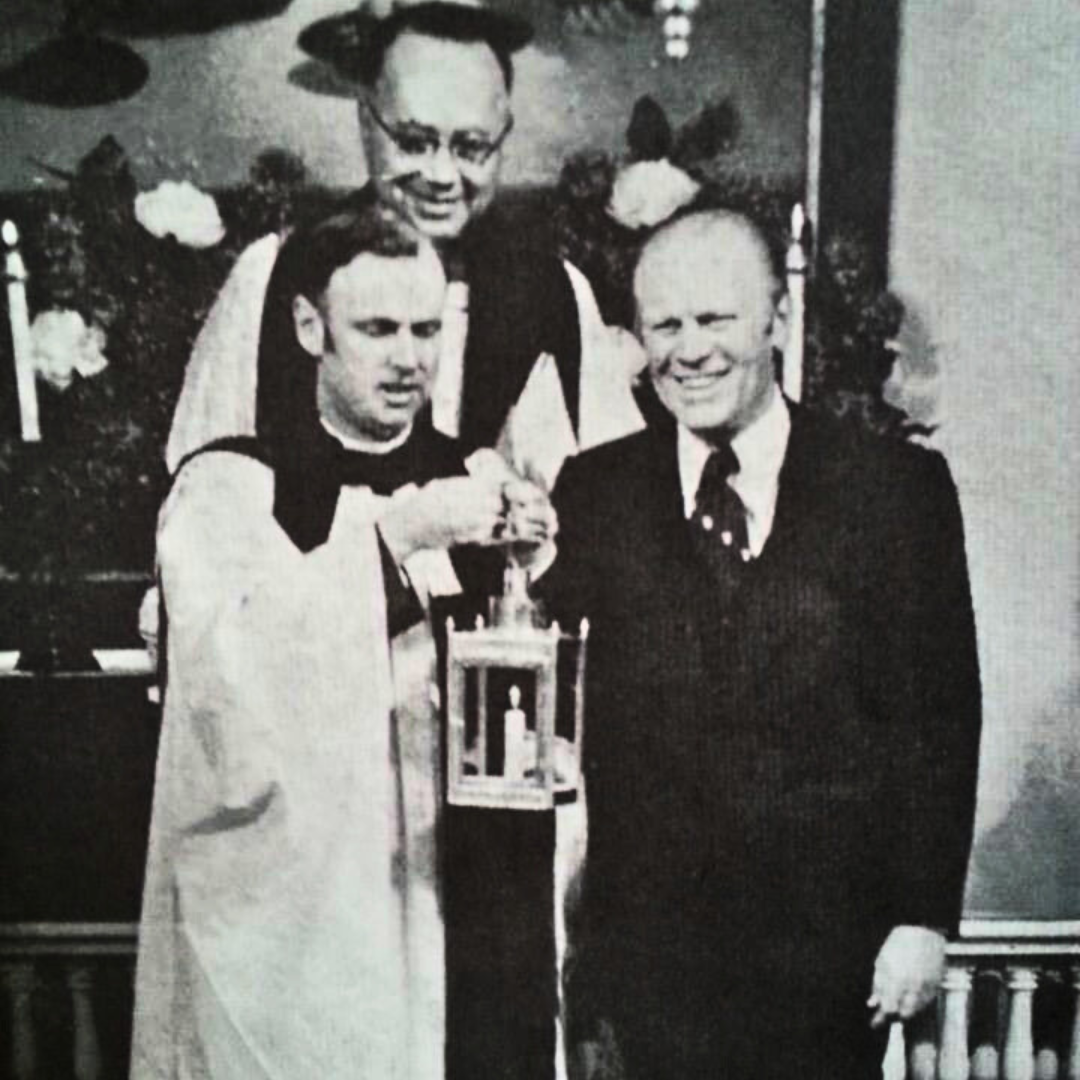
(907, 973)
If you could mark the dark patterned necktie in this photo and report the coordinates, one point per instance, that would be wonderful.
(718, 523)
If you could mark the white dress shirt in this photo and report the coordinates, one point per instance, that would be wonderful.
(760, 448)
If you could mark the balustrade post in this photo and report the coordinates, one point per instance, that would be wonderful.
(1046, 1064)
(19, 981)
(953, 1061)
(894, 1067)
(1018, 1060)
(920, 1034)
(1072, 1071)
(87, 1050)
(984, 1063)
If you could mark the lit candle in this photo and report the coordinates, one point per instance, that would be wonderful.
(519, 754)
(796, 283)
(15, 272)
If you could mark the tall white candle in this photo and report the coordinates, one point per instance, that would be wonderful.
(15, 272)
(518, 759)
(796, 285)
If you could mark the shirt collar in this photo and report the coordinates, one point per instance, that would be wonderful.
(760, 448)
(367, 446)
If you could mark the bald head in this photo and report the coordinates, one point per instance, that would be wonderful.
(726, 236)
(710, 315)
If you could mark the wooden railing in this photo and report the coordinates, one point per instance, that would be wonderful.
(1009, 1008)
(69, 996)
(66, 988)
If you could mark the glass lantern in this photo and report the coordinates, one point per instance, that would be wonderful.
(509, 744)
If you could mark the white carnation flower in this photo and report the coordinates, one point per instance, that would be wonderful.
(648, 192)
(64, 346)
(180, 208)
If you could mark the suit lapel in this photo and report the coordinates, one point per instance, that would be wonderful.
(799, 497)
(660, 495)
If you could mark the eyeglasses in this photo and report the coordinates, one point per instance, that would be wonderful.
(422, 141)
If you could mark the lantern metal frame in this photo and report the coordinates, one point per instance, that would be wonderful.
(519, 645)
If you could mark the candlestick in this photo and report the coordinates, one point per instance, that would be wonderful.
(15, 274)
(796, 283)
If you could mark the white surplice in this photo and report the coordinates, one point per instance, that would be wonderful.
(291, 923)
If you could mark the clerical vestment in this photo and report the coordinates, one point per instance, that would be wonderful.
(526, 361)
(291, 922)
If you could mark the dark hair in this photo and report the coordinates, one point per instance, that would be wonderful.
(504, 34)
(286, 410)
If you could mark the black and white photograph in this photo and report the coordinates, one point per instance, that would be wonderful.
(539, 540)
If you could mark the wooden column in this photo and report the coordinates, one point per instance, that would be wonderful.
(1072, 1069)
(19, 981)
(1018, 1060)
(86, 1049)
(953, 1062)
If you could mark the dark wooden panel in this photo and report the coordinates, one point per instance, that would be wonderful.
(76, 769)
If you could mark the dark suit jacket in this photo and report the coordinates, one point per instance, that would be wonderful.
(776, 782)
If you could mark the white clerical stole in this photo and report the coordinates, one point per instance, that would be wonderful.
(446, 393)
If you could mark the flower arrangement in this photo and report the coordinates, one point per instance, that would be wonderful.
(121, 282)
(606, 207)
(178, 208)
(64, 346)
(647, 192)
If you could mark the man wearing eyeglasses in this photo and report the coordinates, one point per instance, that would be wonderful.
(435, 114)
(526, 363)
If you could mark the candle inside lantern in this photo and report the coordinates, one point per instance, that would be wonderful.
(519, 755)
(796, 285)
(22, 348)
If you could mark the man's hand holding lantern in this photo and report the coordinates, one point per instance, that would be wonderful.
(487, 508)
(530, 517)
(531, 523)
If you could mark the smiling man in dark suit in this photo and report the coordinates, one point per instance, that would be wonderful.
(783, 700)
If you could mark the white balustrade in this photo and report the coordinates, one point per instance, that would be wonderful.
(1046, 1064)
(953, 1062)
(922, 1061)
(989, 999)
(40, 962)
(1018, 1058)
(985, 1063)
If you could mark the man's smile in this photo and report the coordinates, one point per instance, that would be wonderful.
(698, 381)
(431, 204)
(400, 393)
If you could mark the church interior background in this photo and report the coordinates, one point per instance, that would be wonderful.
(973, 212)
